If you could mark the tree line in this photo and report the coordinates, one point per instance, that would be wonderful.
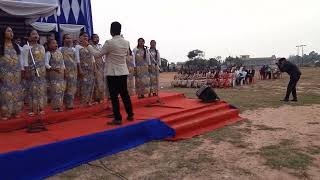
(311, 59)
(197, 60)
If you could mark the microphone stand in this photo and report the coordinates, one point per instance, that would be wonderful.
(36, 125)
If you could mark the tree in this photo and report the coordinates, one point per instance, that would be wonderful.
(219, 58)
(164, 62)
(308, 59)
(212, 62)
(196, 63)
(195, 54)
(231, 61)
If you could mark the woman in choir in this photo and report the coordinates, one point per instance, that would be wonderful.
(154, 69)
(35, 73)
(55, 67)
(131, 65)
(86, 70)
(11, 67)
(70, 62)
(99, 91)
(142, 62)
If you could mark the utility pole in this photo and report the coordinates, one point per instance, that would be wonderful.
(302, 53)
(298, 50)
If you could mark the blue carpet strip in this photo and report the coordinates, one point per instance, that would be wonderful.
(47, 160)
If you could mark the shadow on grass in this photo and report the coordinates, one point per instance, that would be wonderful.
(285, 155)
(232, 134)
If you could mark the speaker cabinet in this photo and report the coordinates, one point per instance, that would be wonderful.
(207, 94)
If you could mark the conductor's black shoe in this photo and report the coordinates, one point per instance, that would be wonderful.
(294, 100)
(114, 122)
(285, 100)
(130, 118)
(110, 116)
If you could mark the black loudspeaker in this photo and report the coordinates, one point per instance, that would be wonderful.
(207, 94)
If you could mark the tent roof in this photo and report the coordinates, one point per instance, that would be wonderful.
(29, 9)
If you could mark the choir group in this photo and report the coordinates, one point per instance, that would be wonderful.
(58, 75)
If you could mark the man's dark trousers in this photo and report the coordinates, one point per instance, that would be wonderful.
(292, 87)
(118, 85)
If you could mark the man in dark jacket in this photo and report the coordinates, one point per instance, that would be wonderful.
(294, 73)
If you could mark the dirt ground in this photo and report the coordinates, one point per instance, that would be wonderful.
(274, 141)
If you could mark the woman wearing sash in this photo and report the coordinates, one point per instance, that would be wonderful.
(100, 87)
(70, 62)
(55, 66)
(86, 70)
(142, 62)
(35, 73)
(11, 66)
(154, 68)
(131, 65)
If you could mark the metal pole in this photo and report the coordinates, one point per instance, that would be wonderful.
(298, 50)
(302, 55)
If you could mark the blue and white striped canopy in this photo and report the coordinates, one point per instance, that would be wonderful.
(77, 12)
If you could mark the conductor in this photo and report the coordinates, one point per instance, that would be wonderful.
(116, 51)
(294, 73)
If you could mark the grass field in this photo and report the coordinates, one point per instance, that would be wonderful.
(268, 93)
(275, 140)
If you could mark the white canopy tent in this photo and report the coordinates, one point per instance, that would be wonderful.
(31, 10)
(48, 27)
(44, 15)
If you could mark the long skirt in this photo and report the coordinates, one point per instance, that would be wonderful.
(99, 84)
(142, 80)
(154, 79)
(37, 94)
(57, 88)
(87, 83)
(71, 90)
(131, 84)
(11, 100)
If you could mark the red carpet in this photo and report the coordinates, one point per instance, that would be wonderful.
(189, 117)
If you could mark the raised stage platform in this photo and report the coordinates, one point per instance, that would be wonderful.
(82, 135)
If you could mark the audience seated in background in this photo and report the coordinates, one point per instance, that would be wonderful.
(217, 78)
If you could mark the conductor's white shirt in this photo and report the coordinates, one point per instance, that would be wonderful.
(116, 51)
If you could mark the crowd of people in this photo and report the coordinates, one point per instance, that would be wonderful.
(32, 76)
(269, 72)
(231, 77)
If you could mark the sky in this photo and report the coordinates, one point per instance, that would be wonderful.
(259, 28)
